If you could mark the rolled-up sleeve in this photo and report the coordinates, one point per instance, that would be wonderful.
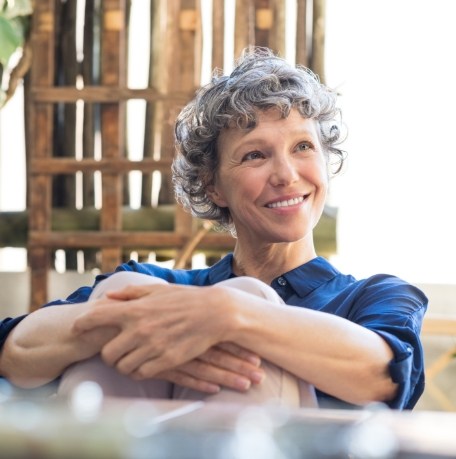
(407, 366)
(397, 316)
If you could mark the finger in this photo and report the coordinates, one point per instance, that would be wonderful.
(186, 380)
(202, 370)
(233, 364)
(241, 352)
(94, 318)
(145, 359)
(118, 348)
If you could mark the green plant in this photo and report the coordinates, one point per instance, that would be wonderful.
(15, 16)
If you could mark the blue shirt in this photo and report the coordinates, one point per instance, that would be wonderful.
(382, 303)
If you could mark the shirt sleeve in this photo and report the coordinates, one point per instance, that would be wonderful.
(406, 369)
(395, 310)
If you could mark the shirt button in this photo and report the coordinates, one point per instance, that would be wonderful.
(282, 281)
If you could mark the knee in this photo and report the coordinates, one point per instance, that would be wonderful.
(123, 279)
(253, 286)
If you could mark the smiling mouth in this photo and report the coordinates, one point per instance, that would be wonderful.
(286, 203)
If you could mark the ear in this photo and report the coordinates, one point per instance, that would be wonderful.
(215, 196)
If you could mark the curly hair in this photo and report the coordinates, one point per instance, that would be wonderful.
(260, 81)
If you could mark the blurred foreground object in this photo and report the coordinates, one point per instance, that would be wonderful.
(86, 425)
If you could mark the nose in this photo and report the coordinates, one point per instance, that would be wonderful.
(284, 171)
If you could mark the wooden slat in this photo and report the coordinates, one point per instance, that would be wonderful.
(152, 239)
(439, 324)
(40, 132)
(189, 68)
(106, 94)
(318, 38)
(218, 33)
(278, 32)
(244, 32)
(302, 51)
(113, 73)
(264, 19)
(153, 108)
(52, 166)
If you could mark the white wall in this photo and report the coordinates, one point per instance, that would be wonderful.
(15, 289)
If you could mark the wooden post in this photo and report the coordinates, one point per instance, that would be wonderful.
(264, 20)
(318, 38)
(302, 52)
(40, 120)
(244, 32)
(218, 34)
(113, 68)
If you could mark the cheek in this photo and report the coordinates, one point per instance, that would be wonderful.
(319, 175)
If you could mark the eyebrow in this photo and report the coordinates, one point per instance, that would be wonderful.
(260, 139)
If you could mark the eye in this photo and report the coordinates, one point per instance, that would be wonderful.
(303, 146)
(252, 155)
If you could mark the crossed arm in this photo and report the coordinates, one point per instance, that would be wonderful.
(202, 338)
(44, 344)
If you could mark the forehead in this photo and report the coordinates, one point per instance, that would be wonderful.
(269, 124)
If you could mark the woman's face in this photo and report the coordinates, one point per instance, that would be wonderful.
(272, 178)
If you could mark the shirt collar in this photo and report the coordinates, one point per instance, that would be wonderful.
(303, 279)
(222, 270)
(306, 278)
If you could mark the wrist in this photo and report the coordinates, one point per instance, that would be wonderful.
(230, 312)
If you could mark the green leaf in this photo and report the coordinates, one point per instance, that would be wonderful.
(11, 9)
(11, 37)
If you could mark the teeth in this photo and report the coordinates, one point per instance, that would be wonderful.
(289, 202)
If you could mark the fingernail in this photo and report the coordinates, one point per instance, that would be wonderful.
(254, 360)
(242, 383)
(212, 388)
(257, 376)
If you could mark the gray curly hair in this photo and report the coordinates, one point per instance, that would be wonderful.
(260, 81)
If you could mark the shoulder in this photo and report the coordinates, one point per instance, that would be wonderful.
(393, 293)
(331, 291)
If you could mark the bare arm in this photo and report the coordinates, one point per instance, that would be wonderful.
(335, 355)
(42, 345)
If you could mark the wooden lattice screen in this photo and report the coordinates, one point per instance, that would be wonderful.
(60, 82)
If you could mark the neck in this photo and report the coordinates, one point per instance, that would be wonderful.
(271, 260)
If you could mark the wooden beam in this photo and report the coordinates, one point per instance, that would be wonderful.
(53, 166)
(439, 324)
(105, 94)
(149, 223)
(118, 239)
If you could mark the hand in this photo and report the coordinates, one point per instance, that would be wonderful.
(95, 339)
(161, 326)
(226, 365)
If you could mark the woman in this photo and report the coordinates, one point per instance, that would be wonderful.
(254, 151)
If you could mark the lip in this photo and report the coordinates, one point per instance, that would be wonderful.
(289, 201)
